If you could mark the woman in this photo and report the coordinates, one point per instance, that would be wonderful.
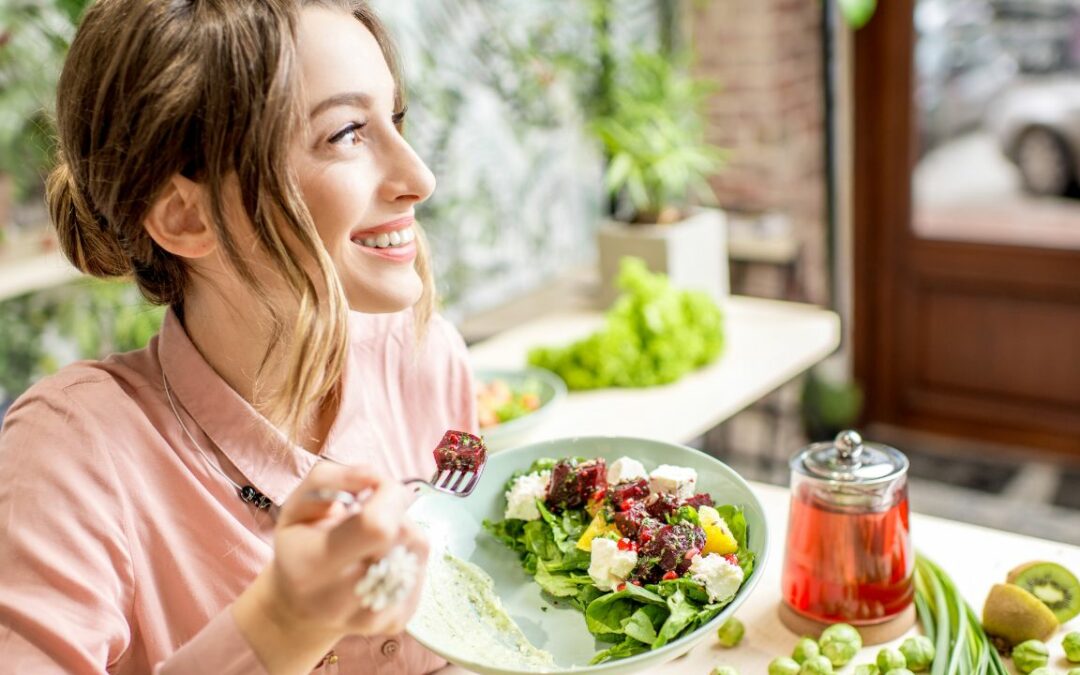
(243, 162)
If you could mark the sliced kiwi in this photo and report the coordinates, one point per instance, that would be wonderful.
(1056, 586)
(1015, 615)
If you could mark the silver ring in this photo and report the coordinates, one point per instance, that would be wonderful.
(389, 580)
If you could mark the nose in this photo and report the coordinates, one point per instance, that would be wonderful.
(407, 180)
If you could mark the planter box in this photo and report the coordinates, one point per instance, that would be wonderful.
(692, 252)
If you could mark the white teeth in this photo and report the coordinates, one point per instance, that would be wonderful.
(388, 239)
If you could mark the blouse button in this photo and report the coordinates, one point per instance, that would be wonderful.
(390, 648)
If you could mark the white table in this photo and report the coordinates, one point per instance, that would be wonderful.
(975, 558)
(767, 343)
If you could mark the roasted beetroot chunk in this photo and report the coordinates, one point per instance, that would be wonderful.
(670, 549)
(460, 451)
(700, 500)
(573, 483)
(619, 495)
(630, 521)
(661, 505)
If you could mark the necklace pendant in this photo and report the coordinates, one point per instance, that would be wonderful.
(257, 499)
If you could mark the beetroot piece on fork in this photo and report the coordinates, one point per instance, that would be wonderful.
(460, 451)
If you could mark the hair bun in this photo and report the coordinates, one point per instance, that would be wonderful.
(83, 231)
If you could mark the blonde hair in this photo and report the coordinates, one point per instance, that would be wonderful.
(207, 89)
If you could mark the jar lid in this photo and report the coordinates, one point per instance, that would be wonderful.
(849, 460)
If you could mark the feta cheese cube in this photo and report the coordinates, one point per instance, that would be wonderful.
(720, 577)
(624, 470)
(676, 480)
(609, 566)
(522, 496)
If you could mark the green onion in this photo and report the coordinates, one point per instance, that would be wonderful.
(960, 644)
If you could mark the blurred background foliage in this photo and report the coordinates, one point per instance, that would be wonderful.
(502, 97)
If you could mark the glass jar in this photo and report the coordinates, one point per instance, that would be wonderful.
(849, 556)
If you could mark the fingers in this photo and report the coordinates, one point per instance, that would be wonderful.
(374, 530)
(325, 476)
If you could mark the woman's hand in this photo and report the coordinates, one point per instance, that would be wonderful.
(304, 601)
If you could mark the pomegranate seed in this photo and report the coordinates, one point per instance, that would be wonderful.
(625, 505)
(621, 586)
(732, 558)
(634, 546)
(691, 553)
(624, 544)
(636, 582)
(644, 537)
(598, 495)
(669, 575)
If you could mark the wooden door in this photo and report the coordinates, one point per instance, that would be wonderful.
(973, 331)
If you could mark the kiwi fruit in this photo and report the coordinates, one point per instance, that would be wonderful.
(1015, 615)
(1056, 586)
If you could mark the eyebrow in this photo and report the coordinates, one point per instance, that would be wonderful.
(354, 98)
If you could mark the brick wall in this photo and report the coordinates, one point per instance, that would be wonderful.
(769, 112)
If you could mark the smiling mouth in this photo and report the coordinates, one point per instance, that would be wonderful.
(394, 239)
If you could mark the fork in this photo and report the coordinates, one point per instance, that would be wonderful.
(454, 475)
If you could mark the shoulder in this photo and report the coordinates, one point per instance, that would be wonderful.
(76, 411)
(91, 385)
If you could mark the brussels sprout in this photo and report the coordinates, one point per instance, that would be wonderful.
(783, 666)
(1027, 656)
(899, 671)
(805, 648)
(1073, 671)
(816, 665)
(724, 670)
(839, 643)
(867, 669)
(890, 659)
(1071, 643)
(731, 632)
(919, 652)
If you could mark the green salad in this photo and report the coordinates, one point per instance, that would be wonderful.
(644, 556)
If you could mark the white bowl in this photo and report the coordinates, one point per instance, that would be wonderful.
(561, 629)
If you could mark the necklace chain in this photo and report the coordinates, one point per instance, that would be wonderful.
(248, 493)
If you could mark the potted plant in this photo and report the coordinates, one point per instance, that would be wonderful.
(658, 161)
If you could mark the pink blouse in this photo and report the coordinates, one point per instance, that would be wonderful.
(122, 547)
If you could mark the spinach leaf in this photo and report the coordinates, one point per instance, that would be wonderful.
(643, 623)
(607, 613)
(540, 540)
(690, 588)
(733, 516)
(627, 647)
(560, 585)
(683, 612)
(573, 560)
(509, 532)
(585, 597)
(558, 532)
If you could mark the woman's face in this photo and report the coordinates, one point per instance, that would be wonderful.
(360, 179)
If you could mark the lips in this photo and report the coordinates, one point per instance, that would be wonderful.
(403, 223)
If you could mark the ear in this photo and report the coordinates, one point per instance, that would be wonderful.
(177, 221)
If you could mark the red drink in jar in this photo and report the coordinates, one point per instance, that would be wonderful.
(849, 555)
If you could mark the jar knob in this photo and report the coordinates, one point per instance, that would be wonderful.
(848, 444)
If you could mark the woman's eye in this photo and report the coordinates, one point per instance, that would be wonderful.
(350, 135)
